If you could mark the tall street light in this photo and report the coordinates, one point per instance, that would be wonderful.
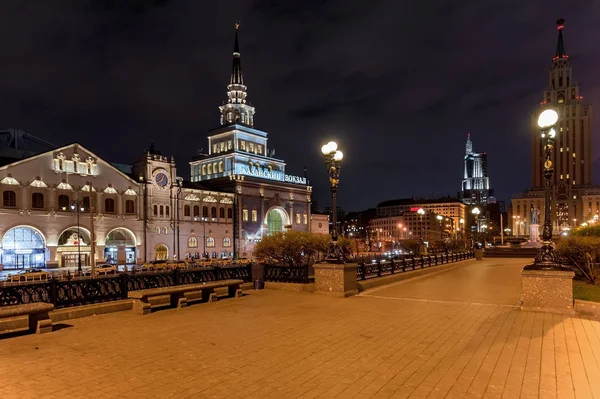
(476, 211)
(421, 212)
(440, 218)
(77, 206)
(333, 163)
(546, 257)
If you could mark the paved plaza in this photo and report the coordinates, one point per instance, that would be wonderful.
(452, 334)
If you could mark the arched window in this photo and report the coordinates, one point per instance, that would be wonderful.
(222, 213)
(9, 199)
(186, 210)
(203, 169)
(37, 201)
(210, 169)
(161, 210)
(210, 242)
(109, 205)
(157, 230)
(215, 170)
(86, 203)
(167, 210)
(63, 202)
(165, 230)
(192, 242)
(155, 210)
(213, 212)
(205, 211)
(226, 242)
(129, 206)
(220, 166)
(229, 213)
(196, 211)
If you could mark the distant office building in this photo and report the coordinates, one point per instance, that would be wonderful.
(451, 208)
(476, 183)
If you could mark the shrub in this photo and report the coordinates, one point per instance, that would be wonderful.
(582, 252)
(295, 248)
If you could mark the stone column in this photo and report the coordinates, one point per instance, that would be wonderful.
(547, 290)
(336, 279)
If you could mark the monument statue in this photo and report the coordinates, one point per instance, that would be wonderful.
(534, 215)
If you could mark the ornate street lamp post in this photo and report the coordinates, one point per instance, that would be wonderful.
(546, 257)
(333, 162)
(476, 212)
(77, 207)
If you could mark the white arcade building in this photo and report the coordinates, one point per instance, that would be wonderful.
(45, 216)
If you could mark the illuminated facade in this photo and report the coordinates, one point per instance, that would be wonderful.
(574, 195)
(38, 221)
(451, 208)
(239, 161)
(476, 183)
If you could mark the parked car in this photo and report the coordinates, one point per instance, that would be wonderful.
(106, 268)
(29, 275)
(180, 264)
(155, 265)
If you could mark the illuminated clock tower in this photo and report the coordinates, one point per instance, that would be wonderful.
(268, 200)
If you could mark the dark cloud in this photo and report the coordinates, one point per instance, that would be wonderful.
(398, 84)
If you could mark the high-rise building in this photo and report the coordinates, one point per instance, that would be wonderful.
(575, 199)
(476, 183)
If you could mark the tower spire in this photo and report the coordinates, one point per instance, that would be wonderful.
(469, 146)
(236, 110)
(236, 72)
(560, 45)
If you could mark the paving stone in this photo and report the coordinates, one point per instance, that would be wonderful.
(452, 334)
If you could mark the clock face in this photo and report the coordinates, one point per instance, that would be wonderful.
(161, 179)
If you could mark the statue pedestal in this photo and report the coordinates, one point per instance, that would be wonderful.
(534, 233)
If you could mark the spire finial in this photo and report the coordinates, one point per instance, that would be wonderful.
(560, 45)
(237, 25)
(469, 146)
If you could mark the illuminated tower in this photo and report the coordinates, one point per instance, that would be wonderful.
(476, 183)
(236, 110)
(573, 153)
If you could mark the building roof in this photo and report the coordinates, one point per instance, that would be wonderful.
(417, 201)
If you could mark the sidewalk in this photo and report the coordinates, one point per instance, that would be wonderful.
(279, 344)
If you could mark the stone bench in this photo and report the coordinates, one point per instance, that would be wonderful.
(38, 312)
(179, 295)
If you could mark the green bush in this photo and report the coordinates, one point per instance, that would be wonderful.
(587, 231)
(582, 252)
(297, 248)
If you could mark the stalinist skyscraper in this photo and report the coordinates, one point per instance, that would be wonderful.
(575, 199)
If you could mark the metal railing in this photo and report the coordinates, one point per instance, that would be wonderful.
(83, 291)
(376, 269)
(286, 274)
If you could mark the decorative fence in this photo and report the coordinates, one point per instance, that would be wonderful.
(75, 292)
(366, 271)
(286, 274)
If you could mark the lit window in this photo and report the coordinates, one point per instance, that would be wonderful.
(259, 149)
(254, 215)
(297, 218)
(243, 145)
(204, 168)
(192, 242)
(158, 230)
(573, 155)
(251, 147)
(245, 215)
(165, 231)
(226, 242)
(305, 218)
(210, 242)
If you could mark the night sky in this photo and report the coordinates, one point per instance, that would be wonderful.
(398, 84)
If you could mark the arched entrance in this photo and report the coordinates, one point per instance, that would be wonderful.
(276, 220)
(23, 247)
(74, 242)
(161, 252)
(119, 247)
